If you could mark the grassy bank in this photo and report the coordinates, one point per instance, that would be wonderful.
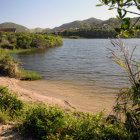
(20, 43)
(40, 122)
(73, 37)
(9, 67)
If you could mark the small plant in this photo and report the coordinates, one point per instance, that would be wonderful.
(27, 75)
(9, 102)
(4, 117)
(41, 122)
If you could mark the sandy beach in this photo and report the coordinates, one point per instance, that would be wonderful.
(28, 95)
(6, 132)
(49, 97)
(54, 95)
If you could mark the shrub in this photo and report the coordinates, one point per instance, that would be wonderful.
(38, 41)
(8, 66)
(23, 41)
(9, 102)
(4, 117)
(41, 122)
(52, 123)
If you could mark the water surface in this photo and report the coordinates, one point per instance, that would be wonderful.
(79, 68)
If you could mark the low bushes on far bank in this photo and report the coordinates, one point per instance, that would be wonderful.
(20, 42)
(28, 40)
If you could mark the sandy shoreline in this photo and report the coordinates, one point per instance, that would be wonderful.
(28, 95)
(48, 98)
(36, 96)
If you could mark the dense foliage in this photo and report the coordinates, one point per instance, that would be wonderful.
(43, 123)
(28, 40)
(90, 33)
(94, 28)
(52, 123)
(105, 29)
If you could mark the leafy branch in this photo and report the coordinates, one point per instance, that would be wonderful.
(122, 6)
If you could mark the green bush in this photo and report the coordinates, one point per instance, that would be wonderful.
(52, 123)
(41, 122)
(8, 66)
(4, 117)
(9, 102)
(23, 41)
(38, 41)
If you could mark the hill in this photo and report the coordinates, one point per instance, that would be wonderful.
(79, 24)
(19, 28)
(93, 23)
(36, 30)
(88, 23)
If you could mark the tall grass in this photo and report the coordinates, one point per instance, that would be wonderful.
(28, 75)
(128, 101)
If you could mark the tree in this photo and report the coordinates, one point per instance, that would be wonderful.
(122, 7)
(23, 40)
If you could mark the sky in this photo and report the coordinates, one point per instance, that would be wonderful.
(51, 13)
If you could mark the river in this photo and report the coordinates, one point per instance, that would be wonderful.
(79, 71)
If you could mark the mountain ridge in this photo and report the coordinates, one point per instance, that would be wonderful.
(87, 23)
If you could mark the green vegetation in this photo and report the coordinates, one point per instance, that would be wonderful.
(88, 23)
(28, 75)
(52, 123)
(43, 123)
(28, 41)
(94, 25)
(74, 37)
(22, 42)
(128, 101)
(95, 28)
(10, 105)
(127, 26)
(9, 67)
(89, 33)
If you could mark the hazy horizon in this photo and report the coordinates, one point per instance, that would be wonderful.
(50, 14)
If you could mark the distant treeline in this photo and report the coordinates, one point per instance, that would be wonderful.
(22, 40)
(93, 33)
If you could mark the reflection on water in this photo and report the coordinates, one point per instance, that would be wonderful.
(79, 68)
